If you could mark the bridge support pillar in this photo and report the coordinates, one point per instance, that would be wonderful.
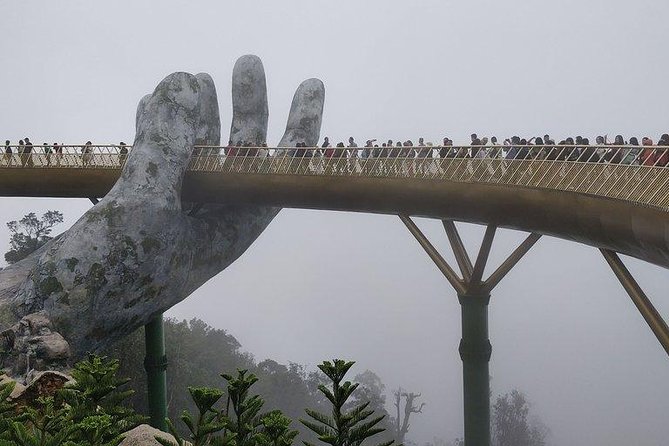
(474, 296)
(475, 351)
(155, 364)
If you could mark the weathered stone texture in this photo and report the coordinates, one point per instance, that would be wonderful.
(145, 435)
(138, 252)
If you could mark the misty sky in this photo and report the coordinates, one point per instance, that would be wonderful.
(562, 328)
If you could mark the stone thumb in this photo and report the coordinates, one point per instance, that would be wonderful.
(168, 122)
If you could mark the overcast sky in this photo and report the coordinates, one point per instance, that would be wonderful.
(562, 328)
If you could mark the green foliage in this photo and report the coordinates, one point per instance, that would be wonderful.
(90, 412)
(372, 389)
(44, 425)
(289, 388)
(344, 427)
(245, 408)
(197, 353)
(245, 426)
(29, 234)
(7, 412)
(208, 423)
(98, 390)
(276, 430)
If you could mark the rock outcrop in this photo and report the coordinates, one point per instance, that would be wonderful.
(145, 435)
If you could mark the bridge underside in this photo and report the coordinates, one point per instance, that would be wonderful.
(625, 227)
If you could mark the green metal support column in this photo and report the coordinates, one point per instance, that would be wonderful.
(475, 351)
(474, 296)
(155, 364)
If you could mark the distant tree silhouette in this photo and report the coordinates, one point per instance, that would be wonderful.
(403, 413)
(510, 423)
(372, 389)
(29, 234)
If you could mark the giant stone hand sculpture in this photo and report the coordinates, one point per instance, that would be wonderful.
(138, 251)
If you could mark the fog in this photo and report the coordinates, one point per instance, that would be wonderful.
(318, 284)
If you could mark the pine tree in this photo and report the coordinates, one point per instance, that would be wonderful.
(245, 426)
(209, 421)
(7, 411)
(343, 428)
(98, 392)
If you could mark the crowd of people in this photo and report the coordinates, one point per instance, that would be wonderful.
(578, 148)
(53, 152)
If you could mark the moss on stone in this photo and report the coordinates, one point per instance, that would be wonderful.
(7, 317)
(49, 285)
(95, 279)
(152, 169)
(64, 298)
(149, 244)
(150, 292)
(125, 250)
(144, 281)
(112, 294)
(71, 263)
(111, 212)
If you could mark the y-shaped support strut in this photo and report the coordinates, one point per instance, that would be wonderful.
(474, 296)
(643, 304)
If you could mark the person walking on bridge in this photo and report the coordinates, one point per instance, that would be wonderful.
(47, 153)
(27, 159)
(352, 155)
(661, 152)
(326, 143)
(475, 142)
(647, 156)
(123, 153)
(58, 151)
(87, 153)
(328, 151)
(8, 153)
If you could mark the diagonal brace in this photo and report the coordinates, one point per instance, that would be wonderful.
(511, 261)
(431, 251)
(484, 253)
(459, 250)
(643, 304)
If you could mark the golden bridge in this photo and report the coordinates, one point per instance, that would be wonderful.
(614, 198)
(619, 206)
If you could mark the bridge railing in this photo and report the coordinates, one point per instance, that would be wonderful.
(65, 156)
(634, 173)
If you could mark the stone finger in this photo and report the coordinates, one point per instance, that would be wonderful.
(249, 102)
(306, 114)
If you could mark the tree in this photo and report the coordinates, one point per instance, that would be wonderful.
(404, 413)
(97, 389)
(89, 411)
(197, 353)
(284, 387)
(244, 425)
(29, 234)
(510, 423)
(344, 427)
(372, 389)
